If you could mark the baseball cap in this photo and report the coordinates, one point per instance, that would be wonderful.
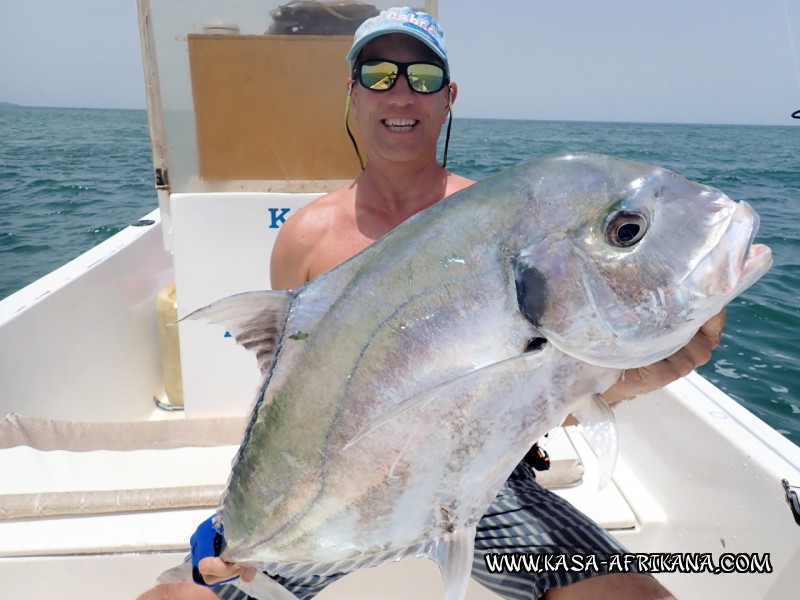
(406, 20)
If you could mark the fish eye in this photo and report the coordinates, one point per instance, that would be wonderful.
(624, 229)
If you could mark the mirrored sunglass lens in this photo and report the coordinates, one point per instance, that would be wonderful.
(425, 79)
(379, 75)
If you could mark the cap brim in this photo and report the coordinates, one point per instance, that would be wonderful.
(359, 45)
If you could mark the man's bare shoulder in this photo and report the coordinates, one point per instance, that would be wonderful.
(306, 235)
(320, 214)
(456, 183)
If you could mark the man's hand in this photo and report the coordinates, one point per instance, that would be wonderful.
(635, 382)
(215, 570)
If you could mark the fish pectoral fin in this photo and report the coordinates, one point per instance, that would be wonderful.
(600, 426)
(256, 320)
(454, 555)
(524, 362)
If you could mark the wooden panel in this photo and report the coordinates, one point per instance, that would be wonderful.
(271, 107)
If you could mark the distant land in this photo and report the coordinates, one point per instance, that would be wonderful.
(7, 104)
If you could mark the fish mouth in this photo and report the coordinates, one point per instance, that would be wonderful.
(737, 264)
(756, 258)
(400, 125)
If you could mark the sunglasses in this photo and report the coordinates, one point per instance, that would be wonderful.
(380, 75)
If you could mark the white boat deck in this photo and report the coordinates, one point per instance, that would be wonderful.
(721, 496)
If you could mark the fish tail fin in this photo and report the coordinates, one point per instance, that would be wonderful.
(600, 427)
(454, 555)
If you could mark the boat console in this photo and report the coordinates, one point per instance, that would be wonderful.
(246, 106)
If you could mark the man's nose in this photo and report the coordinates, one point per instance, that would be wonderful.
(401, 90)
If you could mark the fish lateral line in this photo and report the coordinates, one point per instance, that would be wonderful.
(527, 361)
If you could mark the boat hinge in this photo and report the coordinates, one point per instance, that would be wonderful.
(162, 180)
(791, 498)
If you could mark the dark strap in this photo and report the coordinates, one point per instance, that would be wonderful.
(538, 458)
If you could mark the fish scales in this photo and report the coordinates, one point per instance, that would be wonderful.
(351, 352)
(401, 395)
(381, 337)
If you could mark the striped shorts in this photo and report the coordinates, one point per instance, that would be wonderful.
(524, 518)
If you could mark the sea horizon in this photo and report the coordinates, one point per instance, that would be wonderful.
(791, 122)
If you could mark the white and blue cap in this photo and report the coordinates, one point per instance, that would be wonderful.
(405, 20)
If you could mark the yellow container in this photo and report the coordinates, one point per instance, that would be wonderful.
(167, 308)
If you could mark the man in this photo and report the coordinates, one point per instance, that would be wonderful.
(400, 117)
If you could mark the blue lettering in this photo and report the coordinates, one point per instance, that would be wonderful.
(278, 216)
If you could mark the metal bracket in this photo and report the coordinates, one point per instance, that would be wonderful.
(162, 179)
(167, 406)
(791, 498)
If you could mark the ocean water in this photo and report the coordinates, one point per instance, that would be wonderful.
(70, 178)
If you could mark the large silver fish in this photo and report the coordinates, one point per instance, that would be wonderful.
(403, 387)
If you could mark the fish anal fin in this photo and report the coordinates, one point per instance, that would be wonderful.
(453, 552)
(180, 574)
(600, 427)
(264, 587)
(256, 320)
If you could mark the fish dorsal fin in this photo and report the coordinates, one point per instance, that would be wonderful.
(600, 427)
(256, 320)
(454, 554)
(526, 362)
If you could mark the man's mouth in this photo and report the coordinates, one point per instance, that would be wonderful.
(400, 124)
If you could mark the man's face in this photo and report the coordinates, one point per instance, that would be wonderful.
(399, 124)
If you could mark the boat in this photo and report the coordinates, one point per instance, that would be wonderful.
(120, 424)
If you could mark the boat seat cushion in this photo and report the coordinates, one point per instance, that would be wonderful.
(57, 468)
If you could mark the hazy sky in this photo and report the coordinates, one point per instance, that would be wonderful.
(709, 61)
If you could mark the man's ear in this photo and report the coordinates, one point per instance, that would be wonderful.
(453, 92)
(351, 97)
